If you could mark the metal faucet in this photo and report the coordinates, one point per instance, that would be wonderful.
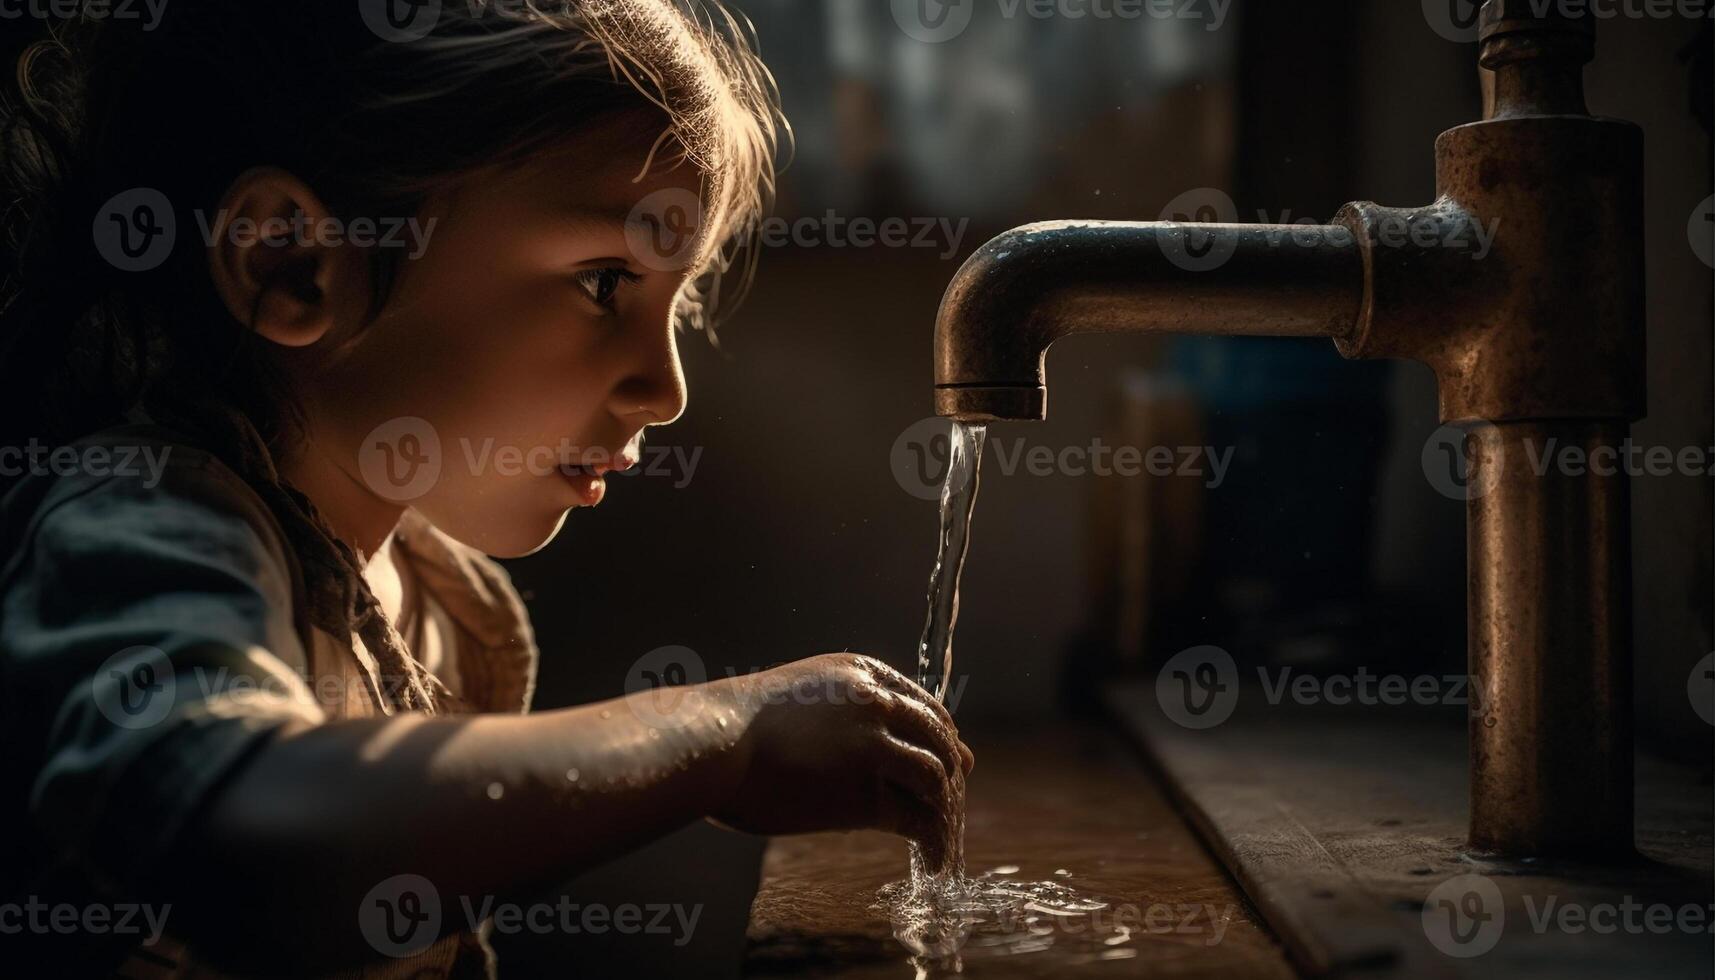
(1537, 345)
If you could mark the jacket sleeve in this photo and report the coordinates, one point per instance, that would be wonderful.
(147, 644)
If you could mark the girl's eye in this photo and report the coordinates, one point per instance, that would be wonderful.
(602, 284)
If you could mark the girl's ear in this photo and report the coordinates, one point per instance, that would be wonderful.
(274, 262)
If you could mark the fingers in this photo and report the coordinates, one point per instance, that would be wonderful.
(959, 756)
(926, 716)
(911, 720)
(919, 771)
(914, 798)
(898, 683)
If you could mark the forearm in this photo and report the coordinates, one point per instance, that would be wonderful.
(478, 805)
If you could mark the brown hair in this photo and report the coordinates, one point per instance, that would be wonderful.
(374, 122)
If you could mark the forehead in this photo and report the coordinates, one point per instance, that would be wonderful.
(608, 166)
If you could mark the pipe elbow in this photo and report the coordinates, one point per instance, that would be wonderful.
(1030, 286)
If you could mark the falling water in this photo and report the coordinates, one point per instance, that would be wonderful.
(935, 909)
(958, 499)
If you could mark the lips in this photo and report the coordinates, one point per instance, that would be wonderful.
(601, 467)
(587, 476)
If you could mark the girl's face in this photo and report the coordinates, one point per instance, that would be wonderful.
(522, 354)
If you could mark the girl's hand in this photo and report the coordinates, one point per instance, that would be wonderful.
(844, 742)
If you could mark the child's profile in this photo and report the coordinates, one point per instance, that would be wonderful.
(266, 664)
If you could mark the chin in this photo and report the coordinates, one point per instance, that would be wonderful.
(521, 533)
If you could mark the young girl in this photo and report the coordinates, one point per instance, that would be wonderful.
(273, 267)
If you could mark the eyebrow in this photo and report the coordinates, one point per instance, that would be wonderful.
(580, 218)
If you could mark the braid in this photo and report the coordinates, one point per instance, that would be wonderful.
(338, 597)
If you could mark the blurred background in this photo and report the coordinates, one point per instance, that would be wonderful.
(786, 524)
(1326, 543)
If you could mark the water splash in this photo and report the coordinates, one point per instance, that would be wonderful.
(936, 912)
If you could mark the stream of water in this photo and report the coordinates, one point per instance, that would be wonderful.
(935, 912)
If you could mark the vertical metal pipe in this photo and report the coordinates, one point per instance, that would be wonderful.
(1550, 636)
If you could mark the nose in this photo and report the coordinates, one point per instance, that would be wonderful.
(653, 391)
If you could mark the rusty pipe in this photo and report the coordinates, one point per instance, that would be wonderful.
(1539, 345)
(1033, 285)
(1550, 733)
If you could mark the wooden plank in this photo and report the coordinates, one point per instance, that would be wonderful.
(1339, 824)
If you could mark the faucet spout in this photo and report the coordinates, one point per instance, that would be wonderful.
(1030, 286)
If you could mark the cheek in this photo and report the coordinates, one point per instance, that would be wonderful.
(498, 347)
